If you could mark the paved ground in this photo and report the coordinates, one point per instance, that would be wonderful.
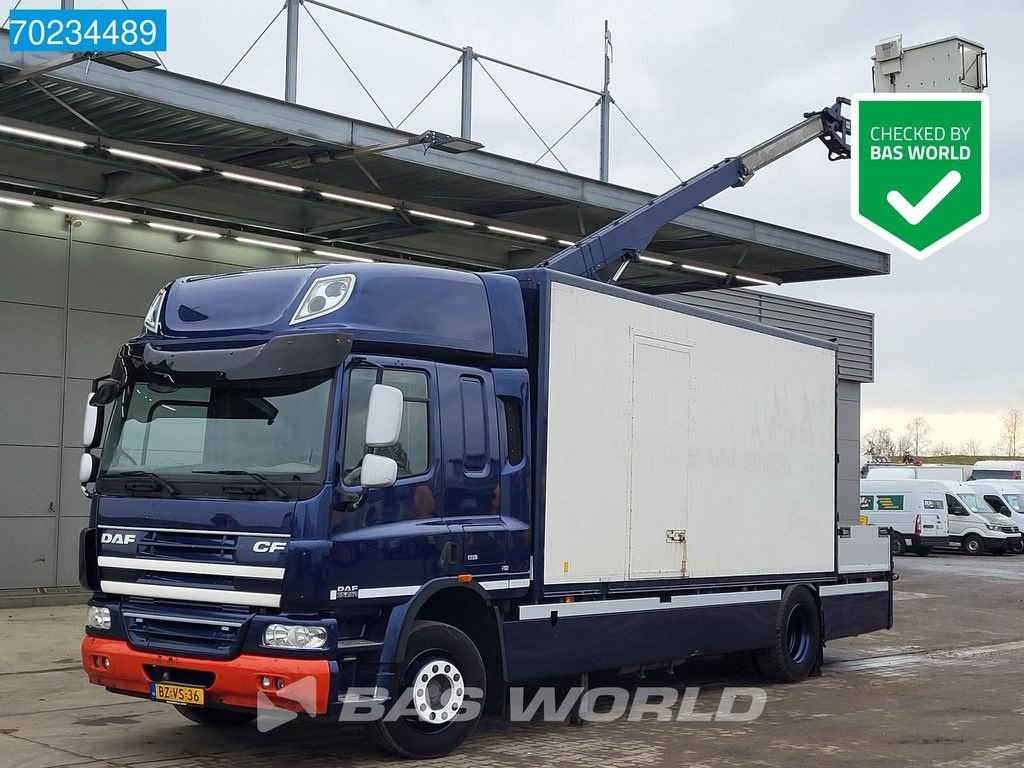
(944, 688)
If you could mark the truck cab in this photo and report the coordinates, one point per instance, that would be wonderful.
(1007, 498)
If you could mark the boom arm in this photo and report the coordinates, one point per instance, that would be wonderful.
(625, 238)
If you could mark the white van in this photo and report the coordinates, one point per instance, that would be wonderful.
(1007, 498)
(974, 525)
(913, 510)
(993, 469)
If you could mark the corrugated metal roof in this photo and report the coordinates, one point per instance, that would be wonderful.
(202, 120)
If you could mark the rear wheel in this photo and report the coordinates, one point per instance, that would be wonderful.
(441, 677)
(216, 718)
(897, 544)
(973, 544)
(922, 551)
(797, 638)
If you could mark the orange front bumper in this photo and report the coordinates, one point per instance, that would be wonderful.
(235, 684)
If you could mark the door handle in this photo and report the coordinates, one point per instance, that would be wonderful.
(450, 553)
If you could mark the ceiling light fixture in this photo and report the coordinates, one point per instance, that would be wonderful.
(357, 201)
(182, 230)
(39, 136)
(516, 233)
(704, 270)
(566, 243)
(346, 256)
(652, 260)
(91, 214)
(154, 159)
(16, 201)
(261, 182)
(446, 219)
(755, 280)
(269, 244)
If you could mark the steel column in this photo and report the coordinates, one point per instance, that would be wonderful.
(67, 5)
(291, 54)
(467, 91)
(606, 103)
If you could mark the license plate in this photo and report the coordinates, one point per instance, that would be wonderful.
(178, 694)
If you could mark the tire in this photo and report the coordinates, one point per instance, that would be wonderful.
(1018, 546)
(922, 551)
(973, 544)
(797, 638)
(897, 544)
(438, 658)
(216, 718)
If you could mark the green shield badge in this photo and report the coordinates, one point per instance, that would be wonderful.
(920, 167)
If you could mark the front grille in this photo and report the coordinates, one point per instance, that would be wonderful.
(1007, 529)
(199, 547)
(198, 634)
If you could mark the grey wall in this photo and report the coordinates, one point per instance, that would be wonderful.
(67, 302)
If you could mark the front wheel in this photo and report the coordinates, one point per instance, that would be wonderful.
(973, 544)
(1018, 546)
(440, 695)
(797, 638)
(216, 718)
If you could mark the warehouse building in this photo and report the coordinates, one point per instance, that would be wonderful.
(112, 183)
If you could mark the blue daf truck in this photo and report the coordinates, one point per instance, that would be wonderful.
(393, 486)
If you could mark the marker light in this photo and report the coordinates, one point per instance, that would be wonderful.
(652, 260)
(154, 159)
(325, 295)
(516, 233)
(25, 133)
(97, 618)
(357, 201)
(294, 636)
(704, 270)
(91, 214)
(447, 219)
(182, 230)
(261, 182)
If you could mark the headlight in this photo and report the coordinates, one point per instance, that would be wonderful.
(992, 527)
(324, 296)
(97, 618)
(294, 636)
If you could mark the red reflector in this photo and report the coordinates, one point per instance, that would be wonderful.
(917, 526)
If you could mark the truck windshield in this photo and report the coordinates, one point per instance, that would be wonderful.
(1016, 501)
(970, 501)
(203, 432)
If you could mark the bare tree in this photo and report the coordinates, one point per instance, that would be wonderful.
(941, 448)
(971, 447)
(917, 432)
(1013, 432)
(878, 442)
(905, 445)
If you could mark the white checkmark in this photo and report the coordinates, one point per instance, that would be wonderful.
(916, 213)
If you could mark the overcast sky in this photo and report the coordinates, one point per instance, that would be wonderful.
(703, 80)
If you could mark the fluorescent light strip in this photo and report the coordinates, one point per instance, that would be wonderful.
(704, 270)
(566, 243)
(42, 137)
(516, 233)
(91, 215)
(447, 219)
(652, 260)
(345, 256)
(268, 244)
(154, 159)
(261, 182)
(182, 230)
(754, 280)
(16, 201)
(357, 201)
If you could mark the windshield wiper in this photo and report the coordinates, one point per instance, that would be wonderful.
(244, 473)
(138, 486)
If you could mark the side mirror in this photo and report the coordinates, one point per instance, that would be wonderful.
(105, 391)
(88, 468)
(383, 417)
(92, 425)
(378, 471)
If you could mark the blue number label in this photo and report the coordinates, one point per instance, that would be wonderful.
(84, 30)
